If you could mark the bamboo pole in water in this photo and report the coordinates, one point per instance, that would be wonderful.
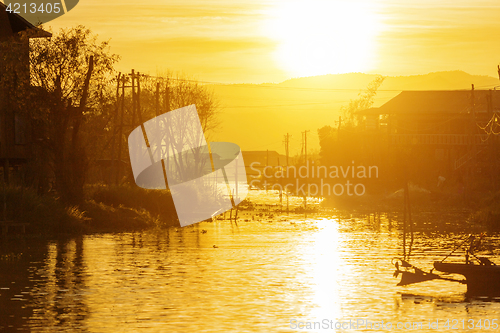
(404, 223)
(407, 221)
(410, 222)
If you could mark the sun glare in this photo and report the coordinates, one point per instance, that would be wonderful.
(323, 36)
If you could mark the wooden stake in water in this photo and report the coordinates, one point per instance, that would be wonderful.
(305, 207)
(236, 216)
(407, 222)
(4, 201)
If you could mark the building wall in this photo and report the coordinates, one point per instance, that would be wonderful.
(14, 80)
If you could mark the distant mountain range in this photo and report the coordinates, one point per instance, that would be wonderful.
(257, 116)
(450, 80)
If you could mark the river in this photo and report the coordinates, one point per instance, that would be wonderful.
(265, 274)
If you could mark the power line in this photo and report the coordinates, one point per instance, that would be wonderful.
(276, 86)
(490, 85)
(279, 105)
(272, 144)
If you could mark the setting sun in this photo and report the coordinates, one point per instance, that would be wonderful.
(323, 37)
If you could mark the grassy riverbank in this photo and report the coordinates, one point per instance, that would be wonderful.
(105, 209)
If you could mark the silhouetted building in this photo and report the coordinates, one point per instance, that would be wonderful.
(443, 131)
(14, 75)
(258, 160)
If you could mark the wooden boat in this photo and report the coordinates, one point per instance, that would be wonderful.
(482, 279)
(482, 276)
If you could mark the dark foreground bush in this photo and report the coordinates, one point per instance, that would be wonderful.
(45, 214)
(103, 218)
(158, 203)
(106, 209)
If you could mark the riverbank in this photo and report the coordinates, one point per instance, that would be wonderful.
(105, 209)
(480, 213)
(109, 209)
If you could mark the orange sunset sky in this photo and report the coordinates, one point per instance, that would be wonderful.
(273, 40)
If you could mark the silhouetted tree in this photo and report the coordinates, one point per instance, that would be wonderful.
(69, 75)
(363, 102)
(344, 144)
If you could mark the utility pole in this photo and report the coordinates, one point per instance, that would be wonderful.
(302, 147)
(120, 131)
(473, 129)
(157, 99)
(305, 154)
(114, 165)
(134, 98)
(138, 101)
(338, 130)
(287, 151)
(305, 144)
(493, 145)
(287, 143)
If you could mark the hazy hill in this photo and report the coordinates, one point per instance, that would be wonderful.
(432, 81)
(257, 116)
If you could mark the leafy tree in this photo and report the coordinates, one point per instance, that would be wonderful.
(70, 74)
(363, 102)
(345, 144)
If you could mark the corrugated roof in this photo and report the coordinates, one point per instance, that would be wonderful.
(435, 101)
(11, 23)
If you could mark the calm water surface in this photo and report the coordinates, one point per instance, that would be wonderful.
(219, 277)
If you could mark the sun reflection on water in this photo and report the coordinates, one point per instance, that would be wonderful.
(327, 269)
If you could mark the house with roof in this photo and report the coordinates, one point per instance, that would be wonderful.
(257, 160)
(14, 73)
(445, 132)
